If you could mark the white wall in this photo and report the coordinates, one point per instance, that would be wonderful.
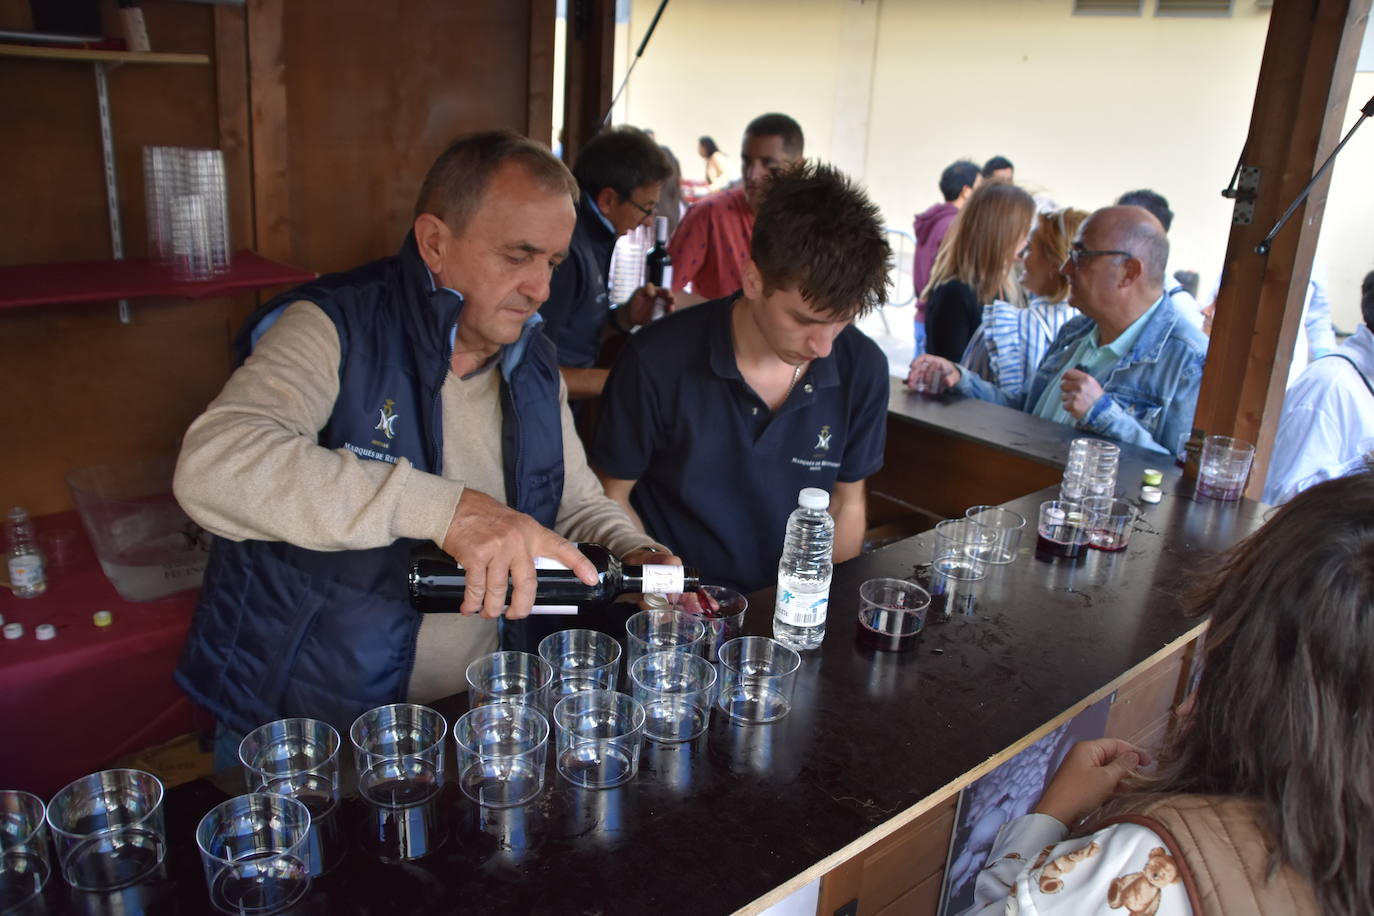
(1086, 106)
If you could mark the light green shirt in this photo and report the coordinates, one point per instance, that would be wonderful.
(1093, 357)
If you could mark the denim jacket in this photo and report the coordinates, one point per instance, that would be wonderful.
(1148, 397)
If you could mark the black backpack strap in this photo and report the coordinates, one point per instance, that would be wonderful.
(1354, 366)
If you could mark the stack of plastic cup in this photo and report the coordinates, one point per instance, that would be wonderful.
(188, 210)
(1090, 470)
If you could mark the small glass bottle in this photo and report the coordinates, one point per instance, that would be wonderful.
(25, 561)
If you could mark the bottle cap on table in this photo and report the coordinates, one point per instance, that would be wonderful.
(102, 618)
(1152, 477)
(14, 630)
(1151, 494)
(45, 631)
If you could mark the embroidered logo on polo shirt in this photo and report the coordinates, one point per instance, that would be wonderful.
(823, 438)
(387, 423)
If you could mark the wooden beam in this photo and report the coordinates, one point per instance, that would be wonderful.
(590, 70)
(1300, 103)
(270, 143)
(543, 17)
(235, 125)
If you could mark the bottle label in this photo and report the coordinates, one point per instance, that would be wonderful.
(662, 579)
(546, 563)
(802, 609)
(554, 609)
(667, 277)
(26, 570)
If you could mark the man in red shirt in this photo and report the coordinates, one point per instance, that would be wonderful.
(711, 243)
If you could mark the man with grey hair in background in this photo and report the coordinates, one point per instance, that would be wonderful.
(1129, 368)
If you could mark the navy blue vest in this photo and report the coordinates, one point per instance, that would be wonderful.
(284, 631)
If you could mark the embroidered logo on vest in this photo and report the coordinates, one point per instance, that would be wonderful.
(387, 422)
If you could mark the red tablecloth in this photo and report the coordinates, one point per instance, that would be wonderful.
(74, 704)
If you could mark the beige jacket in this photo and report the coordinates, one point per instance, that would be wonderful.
(1222, 850)
(250, 468)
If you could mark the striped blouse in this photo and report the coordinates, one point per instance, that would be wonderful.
(1011, 341)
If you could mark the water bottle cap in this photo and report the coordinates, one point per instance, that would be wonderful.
(813, 498)
(14, 630)
(45, 631)
(102, 618)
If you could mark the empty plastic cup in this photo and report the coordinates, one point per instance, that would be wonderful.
(509, 677)
(253, 848)
(109, 829)
(600, 734)
(502, 750)
(24, 864)
(665, 629)
(675, 689)
(399, 751)
(756, 676)
(581, 660)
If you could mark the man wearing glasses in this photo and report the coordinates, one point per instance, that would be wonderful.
(1130, 366)
(621, 174)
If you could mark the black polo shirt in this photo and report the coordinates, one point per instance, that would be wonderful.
(717, 473)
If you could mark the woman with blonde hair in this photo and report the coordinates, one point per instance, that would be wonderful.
(1263, 799)
(1011, 341)
(975, 265)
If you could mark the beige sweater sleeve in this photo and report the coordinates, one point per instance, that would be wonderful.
(250, 466)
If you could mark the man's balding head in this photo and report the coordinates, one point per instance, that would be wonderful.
(1133, 229)
(1116, 268)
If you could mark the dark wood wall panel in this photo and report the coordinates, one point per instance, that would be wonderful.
(87, 390)
(52, 201)
(374, 91)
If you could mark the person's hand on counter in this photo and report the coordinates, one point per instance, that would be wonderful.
(932, 374)
(494, 543)
(1079, 391)
(1090, 774)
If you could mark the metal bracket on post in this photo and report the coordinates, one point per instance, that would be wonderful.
(102, 96)
(1244, 189)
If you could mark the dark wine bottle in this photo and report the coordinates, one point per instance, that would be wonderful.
(658, 264)
(438, 584)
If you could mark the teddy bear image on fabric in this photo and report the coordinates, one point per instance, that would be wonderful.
(1050, 877)
(1138, 892)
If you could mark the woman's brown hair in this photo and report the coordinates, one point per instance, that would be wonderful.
(1053, 236)
(980, 246)
(1285, 709)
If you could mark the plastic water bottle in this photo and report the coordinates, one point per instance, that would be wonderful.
(25, 562)
(804, 572)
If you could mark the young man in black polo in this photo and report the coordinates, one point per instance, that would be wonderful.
(714, 418)
(620, 173)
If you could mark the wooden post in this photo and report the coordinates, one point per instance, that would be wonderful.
(271, 147)
(1300, 103)
(590, 71)
(543, 17)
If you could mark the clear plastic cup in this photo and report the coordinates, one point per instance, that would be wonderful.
(1224, 467)
(663, 629)
(1002, 529)
(502, 750)
(581, 660)
(756, 677)
(892, 613)
(399, 751)
(1109, 522)
(24, 863)
(724, 620)
(109, 829)
(299, 758)
(600, 735)
(960, 548)
(510, 677)
(675, 689)
(1062, 532)
(253, 848)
